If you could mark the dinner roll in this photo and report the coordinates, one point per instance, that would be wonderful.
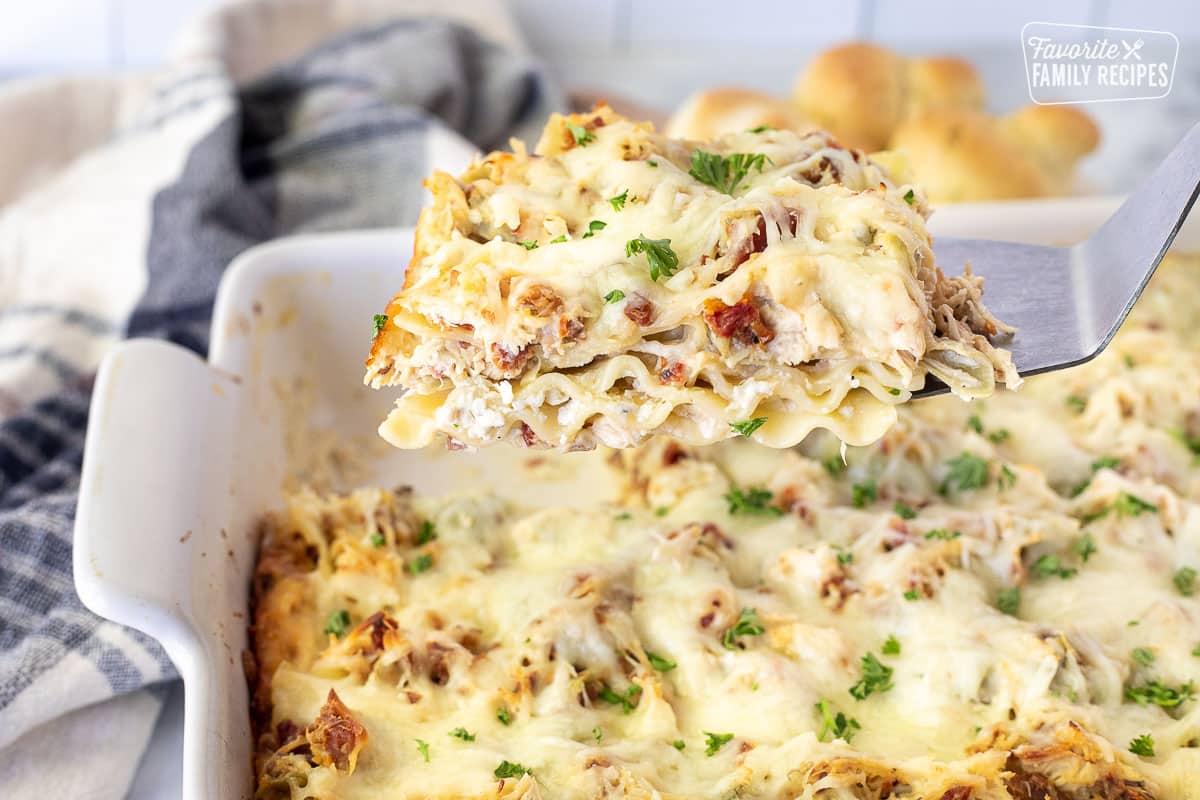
(709, 114)
(861, 92)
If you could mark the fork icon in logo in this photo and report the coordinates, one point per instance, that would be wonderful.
(1132, 49)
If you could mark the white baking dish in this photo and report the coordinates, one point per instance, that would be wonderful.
(183, 455)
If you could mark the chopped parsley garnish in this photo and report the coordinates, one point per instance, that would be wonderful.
(912, 594)
(753, 501)
(747, 625)
(1143, 656)
(834, 465)
(1007, 479)
(1159, 694)
(910, 196)
(614, 296)
(876, 677)
(580, 134)
(627, 701)
(679, 744)
(1185, 580)
(715, 741)
(1077, 402)
(975, 423)
(1129, 362)
(377, 323)
(894, 391)
(593, 226)
(652, 163)
(378, 540)
(1009, 600)
(942, 533)
(661, 511)
(529, 244)
(624, 515)
(423, 749)
(337, 623)
(1142, 746)
(864, 493)
(562, 237)
(659, 255)
(1196, 651)
(724, 173)
(509, 769)
(904, 510)
(749, 426)
(891, 647)
(835, 726)
(660, 663)
(999, 435)
(845, 557)
(597, 734)
(1049, 565)
(420, 564)
(463, 733)
(504, 715)
(1105, 462)
(967, 471)
(760, 129)
(1128, 505)
(427, 533)
(1085, 547)
(618, 202)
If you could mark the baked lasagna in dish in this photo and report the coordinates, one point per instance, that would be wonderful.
(616, 284)
(996, 601)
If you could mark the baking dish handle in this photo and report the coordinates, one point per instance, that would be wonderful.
(158, 411)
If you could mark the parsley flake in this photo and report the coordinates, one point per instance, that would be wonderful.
(749, 426)
(1085, 547)
(1185, 581)
(597, 734)
(614, 296)
(463, 733)
(562, 237)
(715, 741)
(593, 226)
(679, 744)
(904, 510)
(504, 715)
(427, 533)
(618, 202)
(724, 173)
(423, 749)
(760, 129)
(1077, 403)
(999, 435)
(580, 134)
(966, 471)
(834, 465)
(975, 423)
(337, 623)
(752, 502)
(377, 323)
(1009, 600)
(943, 534)
(891, 646)
(530, 244)
(660, 663)
(1128, 505)
(627, 701)
(510, 769)
(835, 726)
(1158, 693)
(910, 197)
(864, 493)
(911, 594)
(659, 255)
(378, 540)
(1143, 656)
(747, 624)
(845, 557)
(1142, 746)
(876, 677)
(1049, 565)
(420, 564)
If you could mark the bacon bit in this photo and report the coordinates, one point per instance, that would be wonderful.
(707, 619)
(380, 625)
(957, 793)
(824, 168)
(413, 697)
(756, 242)
(835, 591)
(745, 747)
(540, 301)
(741, 322)
(673, 454)
(286, 731)
(508, 361)
(336, 737)
(569, 329)
(712, 531)
(528, 436)
(672, 373)
(639, 309)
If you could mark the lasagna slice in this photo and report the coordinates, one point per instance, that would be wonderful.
(617, 284)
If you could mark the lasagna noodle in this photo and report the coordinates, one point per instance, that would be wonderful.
(807, 294)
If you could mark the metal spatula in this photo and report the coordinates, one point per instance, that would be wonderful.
(1067, 302)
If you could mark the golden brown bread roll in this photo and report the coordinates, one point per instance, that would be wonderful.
(709, 114)
(962, 155)
(861, 92)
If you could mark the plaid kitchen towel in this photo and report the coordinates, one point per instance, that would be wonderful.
(121, 202)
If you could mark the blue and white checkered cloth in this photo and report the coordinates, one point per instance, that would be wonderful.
(127, 235)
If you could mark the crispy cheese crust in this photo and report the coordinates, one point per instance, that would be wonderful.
(618, 284)
(991, 603)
